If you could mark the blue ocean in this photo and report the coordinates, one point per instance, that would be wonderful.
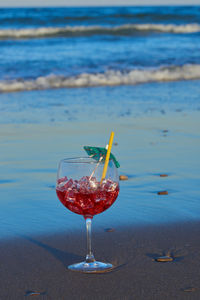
(68, 76)
(73, 49)
(47, 48)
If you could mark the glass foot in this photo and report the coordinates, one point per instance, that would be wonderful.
(91, 267)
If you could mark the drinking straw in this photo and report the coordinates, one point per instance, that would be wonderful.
(107, 156)
(100, 159)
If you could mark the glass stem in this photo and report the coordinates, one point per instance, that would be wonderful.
(89, 256)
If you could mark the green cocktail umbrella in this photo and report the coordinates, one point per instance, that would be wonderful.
(99, 153)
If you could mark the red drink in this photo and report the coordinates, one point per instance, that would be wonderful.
(87, 197)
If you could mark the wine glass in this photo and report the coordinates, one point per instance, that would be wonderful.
(82, 190)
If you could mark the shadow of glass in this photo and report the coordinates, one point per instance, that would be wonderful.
(66, 258)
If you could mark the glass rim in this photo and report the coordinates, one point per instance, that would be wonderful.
(79, 160)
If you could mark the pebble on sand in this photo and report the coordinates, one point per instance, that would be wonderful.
(110, 229)
(190, 289)
(32, 293)
(164, 258)
(123, 177)
(162, 193)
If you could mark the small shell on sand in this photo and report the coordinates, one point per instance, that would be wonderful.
(110, 229)
(31, 293)
(190, 289)
(164, 258)
(162, 193)
(163, 175)
(123, 177)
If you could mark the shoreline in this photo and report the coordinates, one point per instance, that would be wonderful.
(146, 147)
(38, 264)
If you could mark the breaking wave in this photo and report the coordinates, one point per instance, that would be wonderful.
(109, 78)
(70, 31)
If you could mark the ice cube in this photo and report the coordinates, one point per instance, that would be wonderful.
(61, 181)
(69, 184)
(100, 196)
(84, 179)
(83, 184)
(93, 183)
(112, 187)
(83, 188)
(108, 185)
(70, 195)
(105, 184)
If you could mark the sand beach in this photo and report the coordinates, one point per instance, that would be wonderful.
(35, 267)
(68, 77)
(40, 237)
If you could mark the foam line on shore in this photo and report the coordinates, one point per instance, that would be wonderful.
(125, 29)
(109, 78)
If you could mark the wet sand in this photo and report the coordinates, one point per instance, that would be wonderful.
(147, 147)
(38, 264)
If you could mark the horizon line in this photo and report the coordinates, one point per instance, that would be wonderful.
(91, 6)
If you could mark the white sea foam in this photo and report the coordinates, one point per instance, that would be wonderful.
(109, 78)
(188, 28)
(89, 30)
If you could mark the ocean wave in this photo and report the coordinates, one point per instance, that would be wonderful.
(126, 29)
(109, 78)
